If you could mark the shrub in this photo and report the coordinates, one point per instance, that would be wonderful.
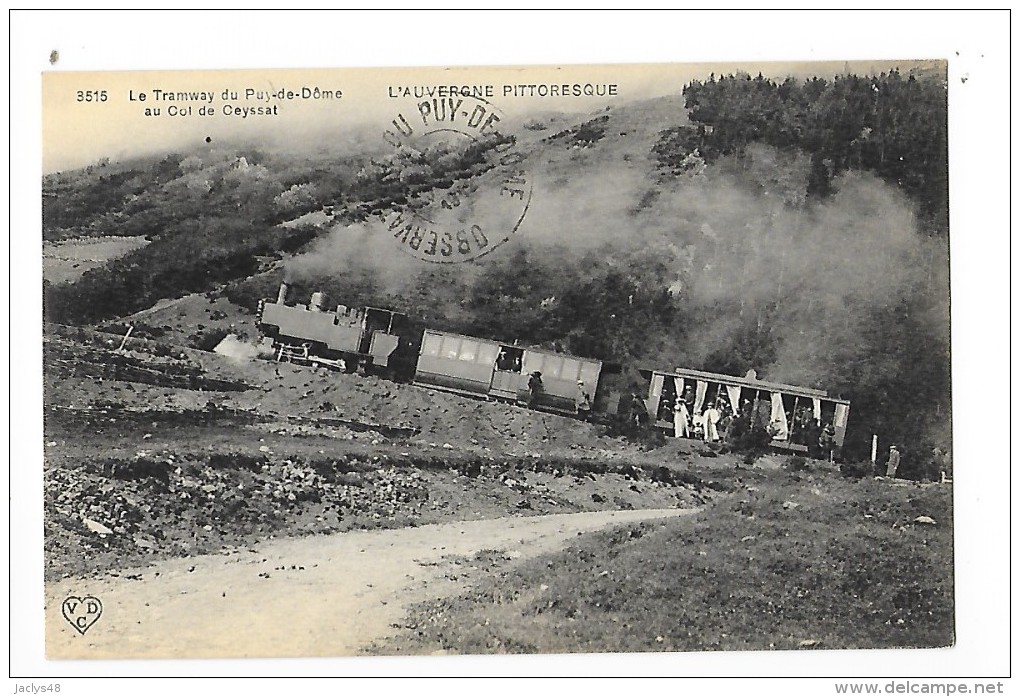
(797, 463)
(209, 339)
(856, 470)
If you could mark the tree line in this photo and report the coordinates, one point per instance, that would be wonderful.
(889, 124)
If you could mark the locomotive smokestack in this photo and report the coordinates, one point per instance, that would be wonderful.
(281, 297)
(316, 302)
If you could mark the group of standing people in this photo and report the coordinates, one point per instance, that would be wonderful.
(707, 425)
(748, 425)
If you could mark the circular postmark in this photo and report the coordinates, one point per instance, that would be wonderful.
(467, 188)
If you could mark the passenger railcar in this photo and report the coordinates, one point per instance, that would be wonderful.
(795, 416)
(494, 370)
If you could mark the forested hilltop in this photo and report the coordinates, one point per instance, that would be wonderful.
(893, 126)
(797, 227)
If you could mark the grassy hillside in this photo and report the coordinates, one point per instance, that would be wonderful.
(795, 560)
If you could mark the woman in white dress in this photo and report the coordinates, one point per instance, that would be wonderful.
(711, 418)
(681, 419)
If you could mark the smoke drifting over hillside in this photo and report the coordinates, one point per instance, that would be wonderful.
(744, 255)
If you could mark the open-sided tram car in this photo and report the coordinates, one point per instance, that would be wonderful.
(786, 410)
(490, 369)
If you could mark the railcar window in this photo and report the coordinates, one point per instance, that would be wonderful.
(504, 361)
(571, 369)
(828, 412)
(451, 346)
(431, 345)
(553, 366)
(487, 353)
(509, 358)
(590, 374)
(789, 402)
(468, 350)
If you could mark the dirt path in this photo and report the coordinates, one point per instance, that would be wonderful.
(333, 596)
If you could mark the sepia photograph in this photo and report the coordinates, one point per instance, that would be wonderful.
(499, 360)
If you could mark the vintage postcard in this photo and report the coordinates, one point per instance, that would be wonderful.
(598, 359)
(647, 359)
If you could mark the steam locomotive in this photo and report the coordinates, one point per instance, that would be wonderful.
(370, 338)
(344, 339)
